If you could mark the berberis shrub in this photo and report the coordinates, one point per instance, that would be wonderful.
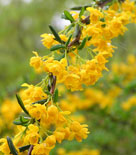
(78, 55)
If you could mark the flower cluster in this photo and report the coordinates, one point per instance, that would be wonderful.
(89, 98)
(6, 117)
(126, 70)
(93, 33)
(43, 125)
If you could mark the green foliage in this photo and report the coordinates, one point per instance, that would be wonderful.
(11, 146)
(20, 102)
(68, 16)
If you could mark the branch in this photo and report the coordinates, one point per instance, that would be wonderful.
(30, 150)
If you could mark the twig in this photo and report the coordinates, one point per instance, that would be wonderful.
(30, 150)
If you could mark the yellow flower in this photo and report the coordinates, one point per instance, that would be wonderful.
(59, 136)
(75, 14)
(75, 126)
(52, 114)
(32, 94)
(4, 146)
(36, 111)
(36, 62)
(48, 40)
(32, 136)
(41, 149)
(95, 14)
(50, 140)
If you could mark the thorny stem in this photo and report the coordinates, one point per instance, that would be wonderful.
(86, 20)
(53, 84)
(102, 4)
(76, 40)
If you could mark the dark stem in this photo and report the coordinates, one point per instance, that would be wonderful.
(30, 150)
(76, 40)
(86, 20)
(102, 4)
(53, 85)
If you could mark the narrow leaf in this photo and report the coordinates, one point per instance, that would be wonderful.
(21, 104)
(68, 41)
(24, 119)
(55, 97)
(11, 146)
(55, 34)
(89, 38)
(69, 16)
(80, 7)
(19, 122)
(60, 57)
(82, 44)
(70, 27)
(81, 12)
(24, 148)
(56, 47)
(76, 8)
(40, 101)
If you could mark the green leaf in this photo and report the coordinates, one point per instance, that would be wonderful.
(68, 16)
(62, 50)
(21, 104)
(55, 97)
(56, 47)
(11, 146)
(60, 57)
(40, 101)
(68, 41)
(55, 34)
(77, 31)
(102, 19)
(21, 121)
(24, 119)
(89, 38)
(70, 27)
(76, 8)
(24, 148)
(63, 16)
(17, 122)
(103, 25)
(82, 44)
(80, 7)
(81, 12)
